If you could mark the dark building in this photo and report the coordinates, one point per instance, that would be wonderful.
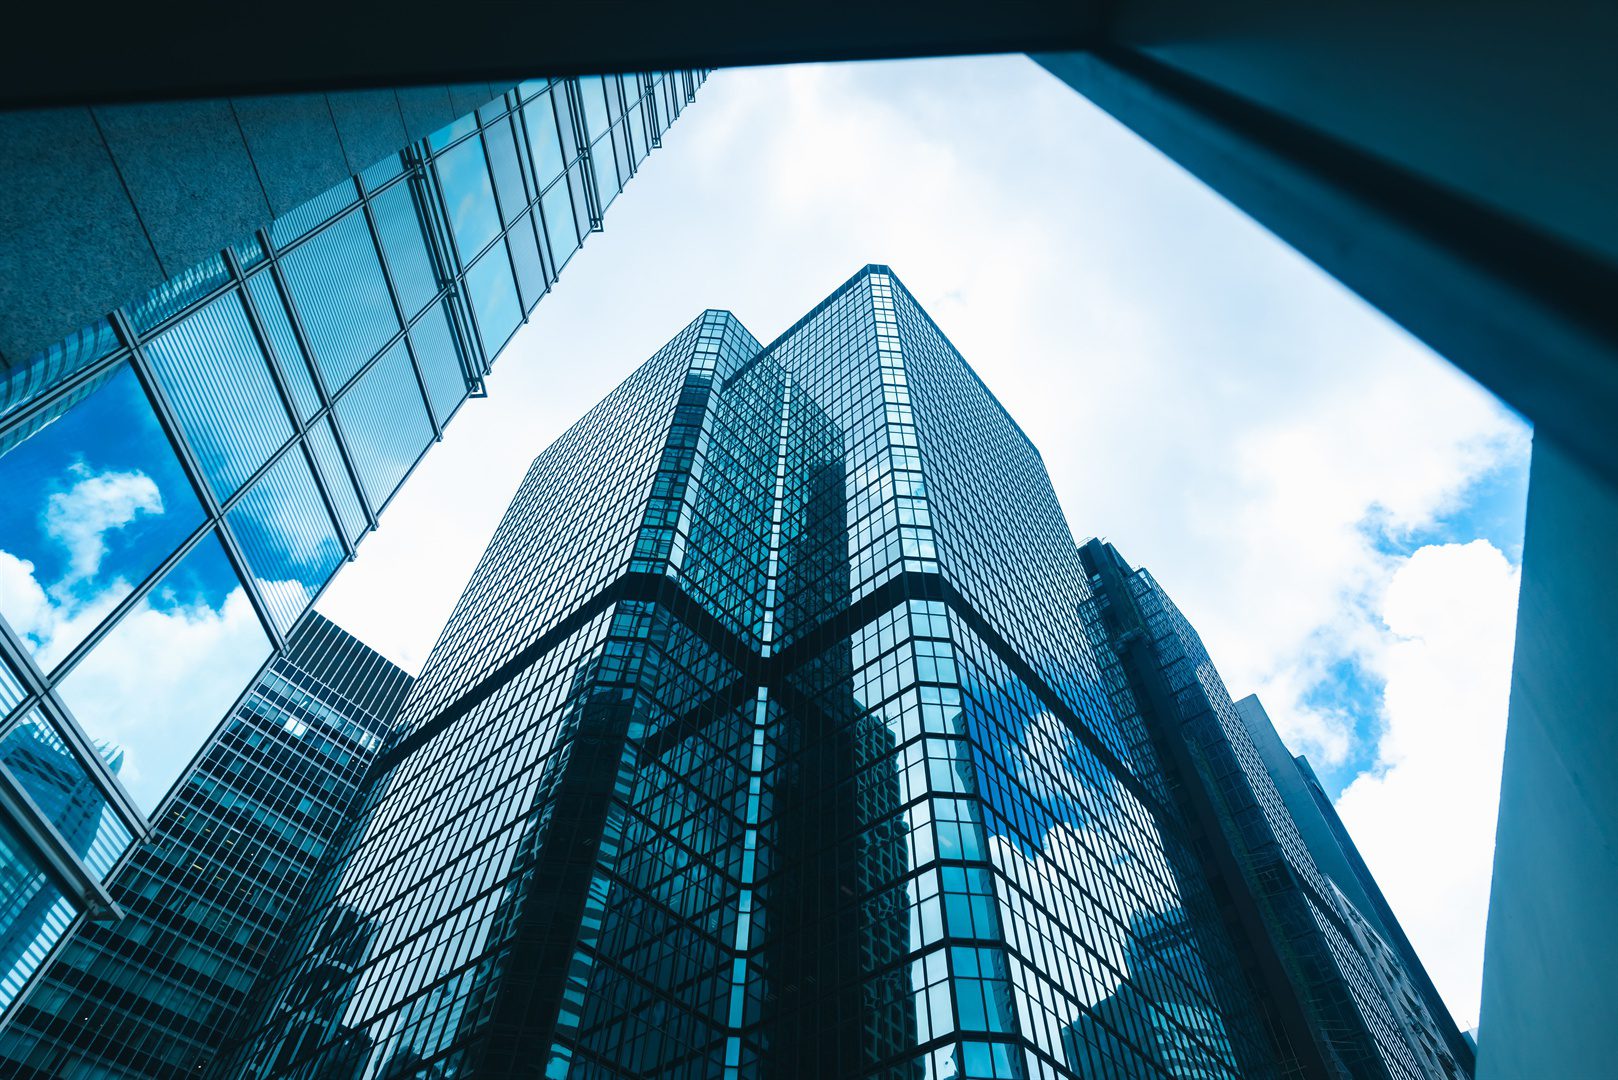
(768, 739)
(205, 895)
(195, 466)
(1346, 1000)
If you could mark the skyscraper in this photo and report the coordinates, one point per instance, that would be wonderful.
(1344, 997)
(768, 739)
(184, 476)
(205, 894)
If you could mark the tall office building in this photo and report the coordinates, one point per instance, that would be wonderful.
(204, 896)
(1351, 1003)
(768, 740)
(184, 476)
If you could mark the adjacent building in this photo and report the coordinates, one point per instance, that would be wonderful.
(205, 895)
(769, 739)
(184, 475)
(1346, 1001)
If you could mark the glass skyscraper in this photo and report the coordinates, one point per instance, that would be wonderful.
(183, 477)
(780, 732)
(204, 896)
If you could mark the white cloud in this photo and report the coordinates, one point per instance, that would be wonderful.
(22, 598)
(1424, 817)
(97, 503)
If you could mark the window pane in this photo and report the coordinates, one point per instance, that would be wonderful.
(606, 173)
(33, 915)
(287, 536)
(329, 460)
(10, 689)
(405, 244)
(336, 282)
(440, 366)
(595, 106)
(304, 217)
(507, 174)
(581, 206)
(385, 422)
(273, 313)
(543, 139)
(93, 503)
(60, 785)
(215, 375)
(494, 297)
(23, 383)
(469, 196)
(525, 253)
(160, 681)
(559, 224)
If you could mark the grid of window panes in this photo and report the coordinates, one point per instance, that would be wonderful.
(185, 477)
(637, 823)
(204, 896)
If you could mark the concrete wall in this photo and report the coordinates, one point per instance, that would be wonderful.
(99, 205)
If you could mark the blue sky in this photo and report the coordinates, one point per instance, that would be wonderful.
(1337, 510)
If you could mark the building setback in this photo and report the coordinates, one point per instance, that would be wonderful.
(206, 893)
(184, 476)
(780, 733)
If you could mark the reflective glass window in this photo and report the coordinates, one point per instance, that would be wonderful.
(162, 678)
(287, 537)
(494, 297)
(278, 328)
(592, 92)
(178, 293)
(94, 501)
(10, 689)
(329, 460)
(33, 914)
(24, 382)
(322, 208)
(606, 173)
(440, 364)
(543, 139)
(404, 241)
(581, 206)
(563, 234)
(385, 422)
(530, 270)
(215, 375)
(376, 175)
(470, 197)
(61, 787)
(564, 124)
(452, 131)
(507, 174)
(336, 282)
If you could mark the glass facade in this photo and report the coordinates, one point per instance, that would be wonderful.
(771, 737)
(206, 893)
(185, 477)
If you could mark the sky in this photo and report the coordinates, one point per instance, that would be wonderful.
(1338, 511)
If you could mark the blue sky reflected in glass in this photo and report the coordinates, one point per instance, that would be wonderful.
(94, 501)
(161, 679)
(470, 195)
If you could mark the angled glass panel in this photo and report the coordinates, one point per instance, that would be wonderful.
(322, 208)
(215, 375)
(593, 93)
(404, 241)
(178, 293)
(452, 131)
(336, 282)
(33, 914)
(376, 175)
(469, 194)
(329, 460)
(27, 381)
(440, 364)
(93, 503)
(636, 126)
(560, 229)
(287, 536)
(10, 689)
(581, 206)
(60, 785)
(530, 270)
(564, 125)
(385, 422)
(507, 174)
(162, 678)
(278, 327)
(494, 297)
(606, 172)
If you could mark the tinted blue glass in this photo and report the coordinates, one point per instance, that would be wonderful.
(581, 205)
(452, 131)
(329, 459)
(210, 365)
(470, 197)
(560, 229)
(592, 91)
(155, 686)
(530, 270)
(440, 364)
(33, 915)
(10, 690)
(178, 293)
(376, 175)
(494, 297)
(606, 172)
(336, 282)
(93, 503)
(323, 207)
(507, 175)
(25, 382)
(273, 314)
(287, 536)
(385, 422)
(60, 786)
(405, 244)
